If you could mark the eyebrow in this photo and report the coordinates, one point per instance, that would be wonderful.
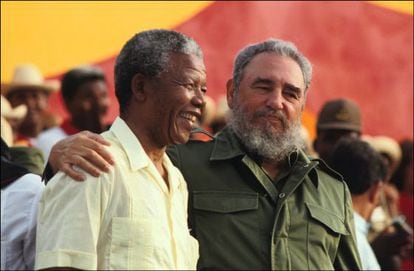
(266, 81)
(260, 80)
(293, 87)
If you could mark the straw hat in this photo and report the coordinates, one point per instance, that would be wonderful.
(29, 76)
(386, 145)
(8, 112)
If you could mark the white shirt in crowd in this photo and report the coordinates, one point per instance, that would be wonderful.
(368, 259)
(48, 138)
(19, 205)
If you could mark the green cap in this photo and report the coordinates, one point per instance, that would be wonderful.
(29, 157)
(340, 114)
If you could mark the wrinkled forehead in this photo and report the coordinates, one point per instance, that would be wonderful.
(180, 64)
(180, 60)
(274, 66)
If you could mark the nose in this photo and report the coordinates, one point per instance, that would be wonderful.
(104, 103)
(198, 99)
(32, 103)
(275, 99)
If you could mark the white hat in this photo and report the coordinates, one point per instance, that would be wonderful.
(29, 76)
(8, 112)
(386, 145)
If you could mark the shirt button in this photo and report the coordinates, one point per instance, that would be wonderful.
(306, 165)
(282, 195)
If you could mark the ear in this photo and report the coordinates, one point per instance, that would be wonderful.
(230, 92)
(375, 193)
(138, 86)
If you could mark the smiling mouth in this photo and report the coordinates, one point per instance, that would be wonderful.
(189, 117)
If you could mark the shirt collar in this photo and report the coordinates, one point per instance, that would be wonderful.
(137, 157)
(361, 224)
(228, 146)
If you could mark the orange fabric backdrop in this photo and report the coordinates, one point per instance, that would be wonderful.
(359, 50)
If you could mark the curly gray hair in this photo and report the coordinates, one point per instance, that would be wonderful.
(148, 53)
(280, 47)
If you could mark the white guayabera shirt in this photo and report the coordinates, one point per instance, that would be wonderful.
(125, 219)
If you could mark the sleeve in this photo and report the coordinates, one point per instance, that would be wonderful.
(347, 257)
(29, 243)
(69, 222)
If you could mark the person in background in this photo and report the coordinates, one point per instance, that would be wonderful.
(85, 94)
(403, 180)
(341, 118)
(257, 202)
(27, 157)
(133, 217)
(29, 88)
(364, 171)
(221, 116)
(10, 119)
(20, 194)
(338, 118)
(390, 152)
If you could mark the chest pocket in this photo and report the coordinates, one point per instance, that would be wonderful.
(225, 202)
(324, 232)
(215, 210)
(330, 220)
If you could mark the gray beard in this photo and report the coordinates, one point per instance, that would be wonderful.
(264, 140)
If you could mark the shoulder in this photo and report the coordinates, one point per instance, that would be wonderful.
(326, 171)
(27, 183)
(52, 131)
(194, 148)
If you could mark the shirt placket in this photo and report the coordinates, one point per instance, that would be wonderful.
(297, 176)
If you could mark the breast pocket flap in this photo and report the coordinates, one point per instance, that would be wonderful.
(225, 202)
(327, 218)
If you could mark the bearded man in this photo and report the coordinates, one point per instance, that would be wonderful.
(256, 200)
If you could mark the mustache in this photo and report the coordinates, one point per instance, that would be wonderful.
(268, 112)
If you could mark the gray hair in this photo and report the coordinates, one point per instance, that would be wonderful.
(279, 47)
(148, 53)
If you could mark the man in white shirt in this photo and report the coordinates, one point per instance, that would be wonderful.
(20, 194)
(135, 215)
(364, 172)
(85, 93)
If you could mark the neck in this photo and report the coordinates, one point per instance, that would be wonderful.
(362, 206)
(154, 151)
(272, 167)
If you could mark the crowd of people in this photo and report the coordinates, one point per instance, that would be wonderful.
(181, 182)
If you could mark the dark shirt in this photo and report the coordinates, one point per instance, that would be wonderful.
(242, 220)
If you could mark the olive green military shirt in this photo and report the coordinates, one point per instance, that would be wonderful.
(243, 221)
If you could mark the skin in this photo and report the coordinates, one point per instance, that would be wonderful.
(270, 82)
(163, 104)
(36, 101)
(89, 106)
(169, 104)
(365, 203)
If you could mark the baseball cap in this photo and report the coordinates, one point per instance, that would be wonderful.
(341, 114)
